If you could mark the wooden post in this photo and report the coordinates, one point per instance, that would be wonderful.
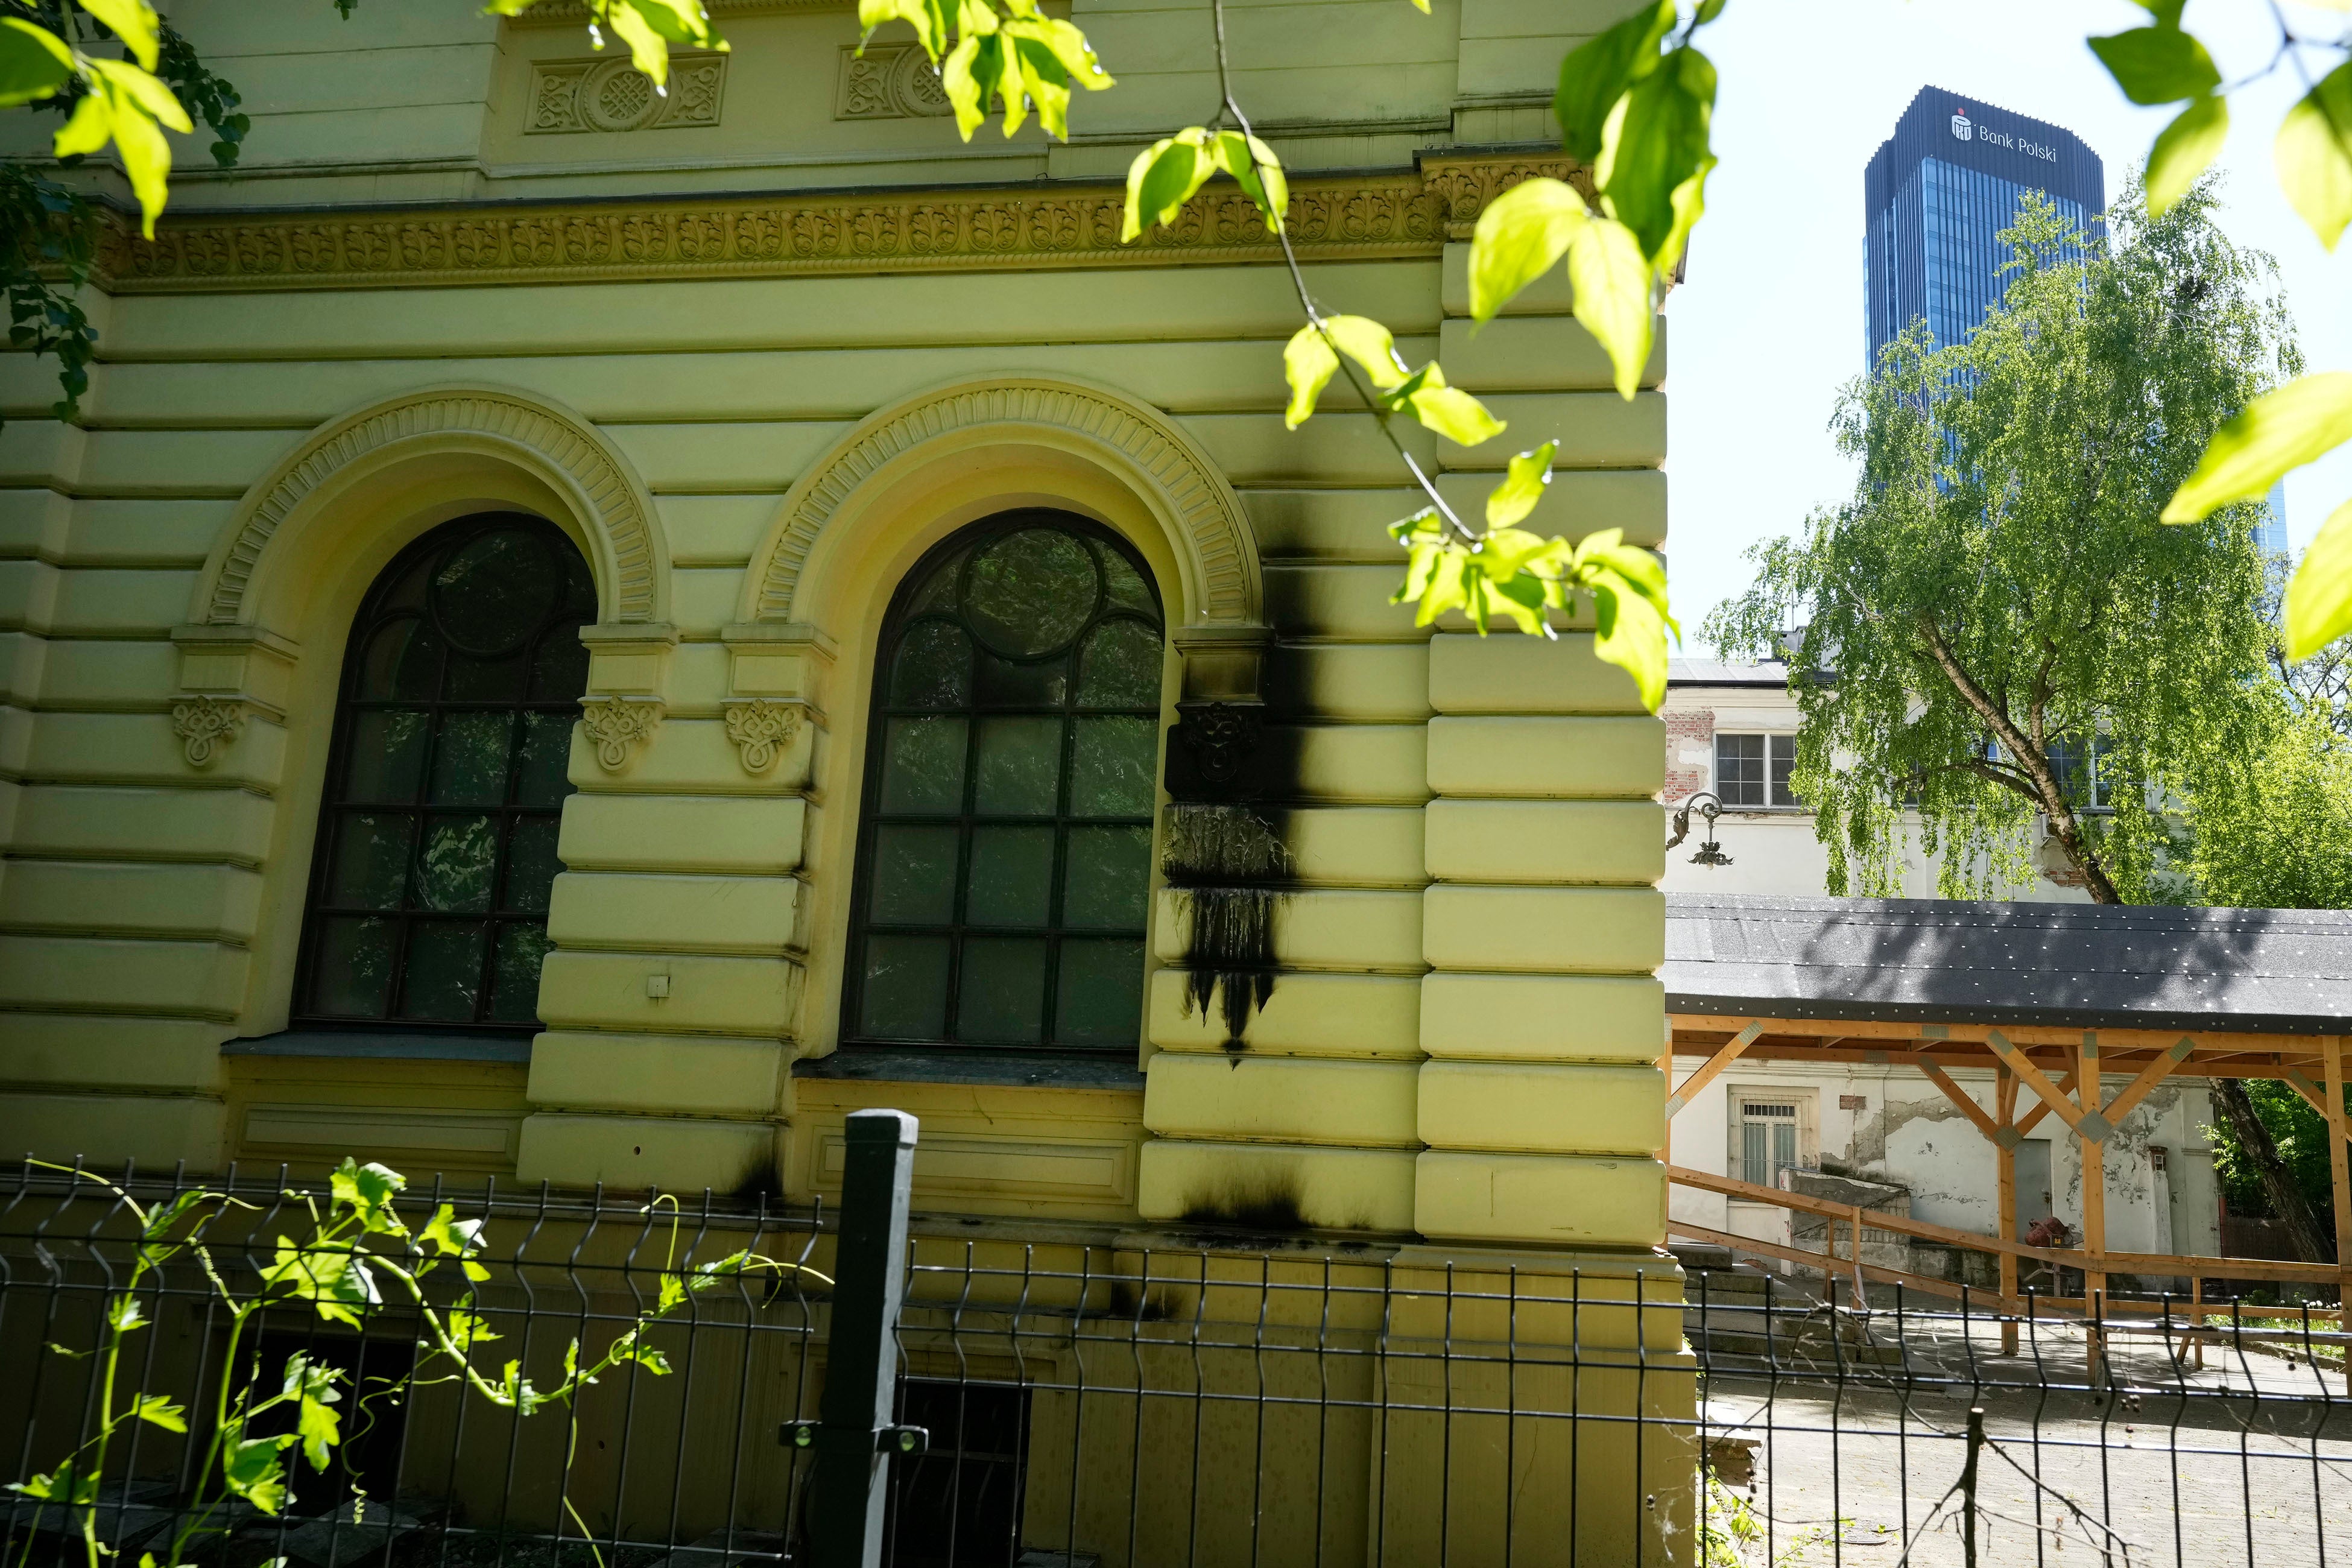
(2005, 1154)
(2089, 1137)
(2196, 1319)
(2339, 1166)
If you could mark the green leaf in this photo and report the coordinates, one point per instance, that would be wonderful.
(252, 1468)
(124, 105)
(1370, 345)
(1598, 72)
(34, 61)
(1631, 634)
(2156, 65)
(1517, 494)
(1611, 280)
(157, 1411)
(133, 21)
(317, 1428)
(631, 1346)
(1308, 363)
(368, 1191)
(2184, 150)
(332, 1276)
(2276, 432)
(1164, 177)
(1044, 57)
(2319, 599)
(448, 1235)
(931, 20)
(1452, 412)
(161, 1221)
(1253, 166)
(1657, 146)
(64, 1483)
(1520, 236)
(2314, 155)
(467, 1329)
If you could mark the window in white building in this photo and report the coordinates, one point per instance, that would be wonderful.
(2081, 772)
(1753, 770)
(1768, 1140)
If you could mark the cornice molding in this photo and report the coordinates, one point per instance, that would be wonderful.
(1030, 228)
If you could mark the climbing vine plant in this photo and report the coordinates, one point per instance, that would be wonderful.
(359, 1264)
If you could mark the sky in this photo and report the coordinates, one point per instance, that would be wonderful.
(1769, 324)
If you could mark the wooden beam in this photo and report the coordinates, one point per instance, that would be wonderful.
(2090, 1132)
(2035, 1080)
(2310, 1092)
(2024, 1034)
(1707, 1074)
(2340, 1168)
(2072, 1257)
(2005, 1196)
(2032, 1118)
(1958, 1096)
(2156, 1072)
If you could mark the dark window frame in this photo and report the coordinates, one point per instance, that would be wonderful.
(902, 615)
(376, 613)
(1776, 757)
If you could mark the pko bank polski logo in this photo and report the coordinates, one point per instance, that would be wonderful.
(1961, 130)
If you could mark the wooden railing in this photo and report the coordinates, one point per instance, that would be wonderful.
(1857, 1219)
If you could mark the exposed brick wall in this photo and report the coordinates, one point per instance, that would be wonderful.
(1691, 727)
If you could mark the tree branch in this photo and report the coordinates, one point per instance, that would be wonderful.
(2064, 826)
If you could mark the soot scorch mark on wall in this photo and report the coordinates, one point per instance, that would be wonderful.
(1227, 866)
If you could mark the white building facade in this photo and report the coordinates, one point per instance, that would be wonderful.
(1731, 730)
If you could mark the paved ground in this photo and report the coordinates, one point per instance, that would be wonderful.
(2245, 1461)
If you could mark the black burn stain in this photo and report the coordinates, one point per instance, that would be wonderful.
(1227, 866)
(1223, 852)
(1267, 1207)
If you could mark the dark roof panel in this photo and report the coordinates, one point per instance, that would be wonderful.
(2086, 966)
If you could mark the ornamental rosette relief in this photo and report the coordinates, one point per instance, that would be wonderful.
(606, 93)
(616, 726)
(761, 728)
(207, 726)
(1396, 214)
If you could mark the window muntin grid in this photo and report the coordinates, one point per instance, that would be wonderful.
(445, 783)
(1011, 783)
(1752, 770)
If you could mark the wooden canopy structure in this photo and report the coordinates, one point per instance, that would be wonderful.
(2078, 1010)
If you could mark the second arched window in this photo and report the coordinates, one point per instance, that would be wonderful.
(1005, 859)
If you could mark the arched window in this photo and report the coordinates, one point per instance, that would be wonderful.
(437, 838)
(1004, 856)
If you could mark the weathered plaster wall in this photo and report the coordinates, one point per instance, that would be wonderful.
(1905, 1131)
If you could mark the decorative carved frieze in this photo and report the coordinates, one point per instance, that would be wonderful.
(761, 728)
(1401, 214)
(207, 726)
(616, 725)
(889, 81)
(605, 93)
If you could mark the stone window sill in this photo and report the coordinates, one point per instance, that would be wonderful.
(1019, 1070)
(387, 1044)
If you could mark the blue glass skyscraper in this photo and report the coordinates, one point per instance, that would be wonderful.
(1937, 193)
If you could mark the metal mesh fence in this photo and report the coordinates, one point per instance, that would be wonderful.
(1072, 1397)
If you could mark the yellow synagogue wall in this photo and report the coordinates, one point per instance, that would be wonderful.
(428, 293)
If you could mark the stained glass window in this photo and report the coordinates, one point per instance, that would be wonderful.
(1005, 852)
(437, 837)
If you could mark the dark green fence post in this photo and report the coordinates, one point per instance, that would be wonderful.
(856, 1438)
